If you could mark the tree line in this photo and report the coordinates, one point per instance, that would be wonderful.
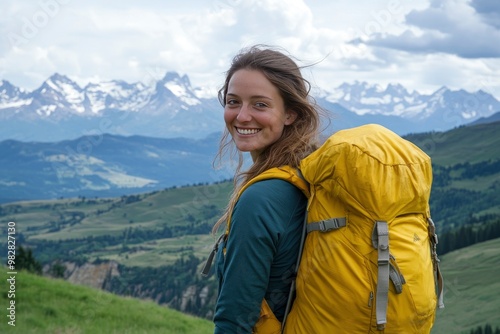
(475, 231)
(486, 329)
(444, 175)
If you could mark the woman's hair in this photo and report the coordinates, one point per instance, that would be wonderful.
(298, 139)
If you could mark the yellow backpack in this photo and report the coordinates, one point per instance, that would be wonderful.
(369, 262)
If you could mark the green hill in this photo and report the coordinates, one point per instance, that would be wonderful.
(472, 289)
(463, 144)
(46, 305)
(466, 173)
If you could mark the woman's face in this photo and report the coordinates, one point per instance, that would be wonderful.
(254, 113)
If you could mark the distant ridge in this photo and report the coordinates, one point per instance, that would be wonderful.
(484, 120)
(104, 166)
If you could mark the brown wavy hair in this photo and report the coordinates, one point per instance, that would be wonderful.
(298, 139)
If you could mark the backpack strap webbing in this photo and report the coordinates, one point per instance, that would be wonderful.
(381, 233)
(293, 286)
(208, 264)
(327, 224)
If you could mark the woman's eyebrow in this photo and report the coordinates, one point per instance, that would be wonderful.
(253, 96)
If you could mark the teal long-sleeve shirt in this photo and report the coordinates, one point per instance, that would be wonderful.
(261, 253)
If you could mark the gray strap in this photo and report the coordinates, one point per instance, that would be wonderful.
(206, 268)
(395, 276)
(435, 260)
(327, 224)
(440, 285)
(293, 286)
(381, 230)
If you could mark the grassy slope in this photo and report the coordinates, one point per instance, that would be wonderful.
(472, 288)
(54, 306)
(46, 305)
(165, 207)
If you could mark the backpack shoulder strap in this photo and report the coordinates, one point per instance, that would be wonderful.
(285, 173)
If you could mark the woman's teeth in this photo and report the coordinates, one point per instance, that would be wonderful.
(247, 131)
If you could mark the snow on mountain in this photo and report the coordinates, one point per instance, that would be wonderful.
(394, 100)
(172, 95)
(12, 96)
(181, 88)
(116, 95)
(60, 109)
(363, 98)
(58, 92)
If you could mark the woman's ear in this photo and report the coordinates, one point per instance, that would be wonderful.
(290, 117)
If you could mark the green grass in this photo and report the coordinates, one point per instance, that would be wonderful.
(472, 289)
(46, 305)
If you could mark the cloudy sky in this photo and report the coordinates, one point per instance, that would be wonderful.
(421, 44)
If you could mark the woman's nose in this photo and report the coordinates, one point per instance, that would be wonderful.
(244, 114)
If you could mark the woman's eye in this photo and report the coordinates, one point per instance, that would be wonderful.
(260, 105)
(231, 102)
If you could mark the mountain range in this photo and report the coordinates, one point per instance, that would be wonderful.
(60, 109)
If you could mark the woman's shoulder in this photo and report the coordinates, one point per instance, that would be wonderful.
(272, 203)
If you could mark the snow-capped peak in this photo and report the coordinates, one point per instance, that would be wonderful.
(12, 96)
(116, 94)
(59, 92)
(180, 87)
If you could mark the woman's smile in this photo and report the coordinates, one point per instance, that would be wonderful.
(246, 131)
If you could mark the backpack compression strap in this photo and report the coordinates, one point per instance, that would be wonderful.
(381, 233)
(327, 224)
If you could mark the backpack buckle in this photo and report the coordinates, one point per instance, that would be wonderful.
(322, 226)
(331, 224)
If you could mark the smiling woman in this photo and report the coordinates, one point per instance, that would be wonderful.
(268, 112)
(255, 112)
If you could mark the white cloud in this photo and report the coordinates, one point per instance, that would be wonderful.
(449, 26)
(425, 45)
